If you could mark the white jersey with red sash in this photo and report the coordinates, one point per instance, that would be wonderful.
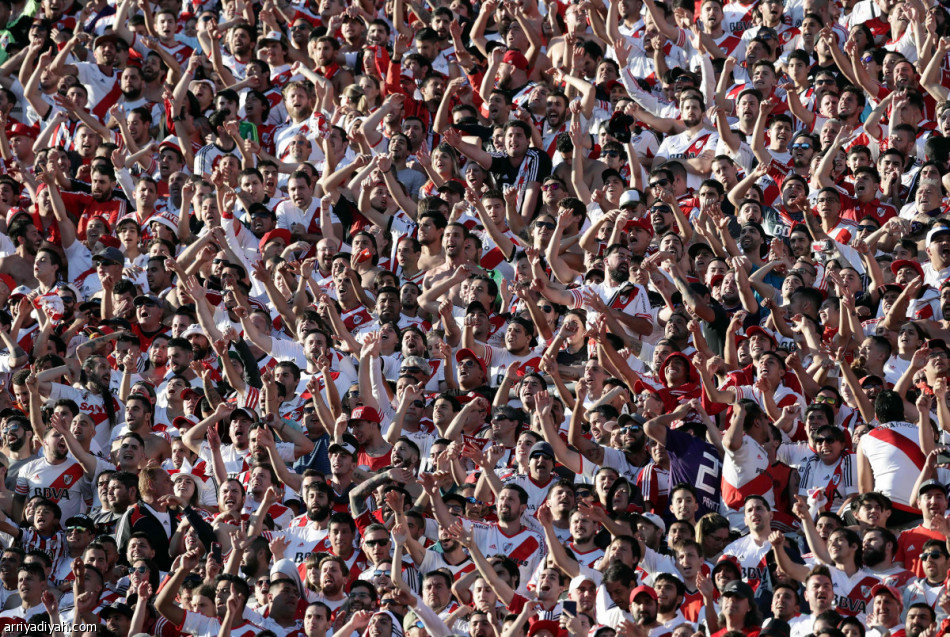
(526, 547)
(752, 560)
(852, 593)
(737, 16)
(895, 456)
(62, 483)
(745, 473)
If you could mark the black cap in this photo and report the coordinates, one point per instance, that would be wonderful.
(147, 299)
(117, 607)
(542, 448)
(695, 249)
(350, 445)
(110, 254)
(738, 587)
(930, 485)
(82, 520)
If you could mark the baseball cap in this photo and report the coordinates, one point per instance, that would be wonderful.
(629, 197)
(907, 263)
(349, 445)
(738, 587)
(464, 353)
(82, 520)
(276, 233)
(117, 607)
(756, 329)
(147, 299)
(877, 589)
(113, 255)
(935, 232)
(930, 485)
(577, 581)
(642, 589)
(366, 413)
(193, 330)
(655, 520)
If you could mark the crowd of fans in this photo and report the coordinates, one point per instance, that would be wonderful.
(509, 318)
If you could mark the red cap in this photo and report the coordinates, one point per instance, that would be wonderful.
(755, 329)
(549, 625)
(464, 353)
(907, 263)
(109, 241)
(16, 128)
(642, 222)
(642, 589)
(516, 59)
(276, 233)
(366, 413)
(716, 280)
(890, 590)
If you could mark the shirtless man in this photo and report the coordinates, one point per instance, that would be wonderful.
(27, 239)
(453, 240)
(431, 231)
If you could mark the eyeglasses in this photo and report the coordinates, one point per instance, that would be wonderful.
(11, 428)
(381, 542)
(823, 439)
(931, 555)
(660, 183)
(141, 570)
(610, 153)
(867, 228)
(546, 224)
(825, 400)
(546, 308)
(218, 261)
(378, 573)
(550, 187)
(803, 146)
(80, 529)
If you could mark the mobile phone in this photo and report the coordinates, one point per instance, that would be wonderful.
(822, 246)
(570, 607)
(943, 457)
(216, 552)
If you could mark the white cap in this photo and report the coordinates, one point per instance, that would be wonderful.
(630, 196)
(193, 330)
(938, 229)
(656, 521)
(577, 581)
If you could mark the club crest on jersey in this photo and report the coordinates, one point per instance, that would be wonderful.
(865, 591)
(357, 319)
(506, 547)
(67, 479)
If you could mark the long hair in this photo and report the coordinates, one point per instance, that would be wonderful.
(104, 391)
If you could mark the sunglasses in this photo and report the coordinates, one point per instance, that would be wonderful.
(500, 417)
(141, 570)
(550, 187)
(610, 153)
(661, 183)
(546, 224)
(11, 428)
(264, 584)
(67, 299)
(867, 59)
(468, 363)
(379, 573)
(824, 439)
(582, 494)
(867, 228)
(931, 555)
(825, 400)
(382, 542)
(419, 403)
(803, 146)
(630, 428)
(545, 308)
(218, 261)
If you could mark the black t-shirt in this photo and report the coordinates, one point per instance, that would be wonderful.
(505, 172)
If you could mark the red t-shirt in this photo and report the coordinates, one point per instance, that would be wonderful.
(911, 543)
